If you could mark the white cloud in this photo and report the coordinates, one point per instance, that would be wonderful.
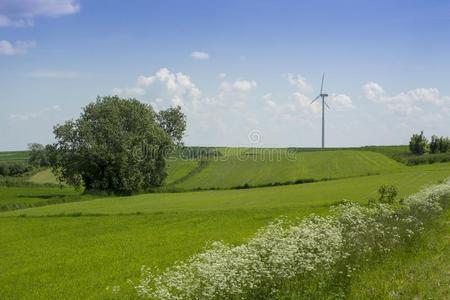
(33, 115)
(19, 47)
(404, 103)
(176, 86)
(298, 81)
(21, 13)
(300, 104)
(199, 55)
(373, 91)
(304, 103)
(222, 76)
(54, 74)
(341, 101)
(238, 86)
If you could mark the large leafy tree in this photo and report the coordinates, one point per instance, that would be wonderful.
(115, 145)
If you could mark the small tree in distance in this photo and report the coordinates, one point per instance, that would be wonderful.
(418, 144)
(434, 144)
(444, 144)
(116, 145)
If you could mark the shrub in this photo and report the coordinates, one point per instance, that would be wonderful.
(387, 193)
(13, 168)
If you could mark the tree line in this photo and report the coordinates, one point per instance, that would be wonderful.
(419, 144)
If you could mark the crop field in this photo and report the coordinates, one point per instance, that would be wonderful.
(14, 156)
(267, 167)
(81, 249)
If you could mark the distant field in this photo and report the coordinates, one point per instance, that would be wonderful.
(178, 169)
(258, 168)
(44, 176)
(14, 156)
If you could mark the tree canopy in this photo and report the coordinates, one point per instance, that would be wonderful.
(117, 145)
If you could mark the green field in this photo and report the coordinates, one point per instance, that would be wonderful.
(14, 156)
(421, 272)
(44, 176)
(265, 167)
(76, 250)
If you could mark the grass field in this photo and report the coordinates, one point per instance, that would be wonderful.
(178, 169)
(44, 176)
(14, 156)
(76, 250)
(56, 256)
(268, 167)
(421, 272)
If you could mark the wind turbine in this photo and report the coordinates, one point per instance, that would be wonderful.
(324, 103)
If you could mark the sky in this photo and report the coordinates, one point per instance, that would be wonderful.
(244, 72)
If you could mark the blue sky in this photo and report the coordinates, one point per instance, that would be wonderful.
(238, 68)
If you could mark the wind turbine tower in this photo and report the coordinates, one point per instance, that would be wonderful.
(324, 103)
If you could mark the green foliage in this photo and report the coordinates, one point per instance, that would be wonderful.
(13, 168)
(418, 144)
(115, 145)
(434, 144)
(173, 121)
(387, 194)
(428, 159)
(40, 155)
(444, 144)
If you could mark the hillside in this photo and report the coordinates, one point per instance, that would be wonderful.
(265, 167)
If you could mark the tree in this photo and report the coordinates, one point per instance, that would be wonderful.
(444, 144)
(434, 144)
(418, 144)
(38, 155)
(116, 145)
(173, 121)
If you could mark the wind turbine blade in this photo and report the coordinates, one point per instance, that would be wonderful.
(321, 87)
(326, 104)
(315, 99)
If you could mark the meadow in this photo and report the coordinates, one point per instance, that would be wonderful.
(418, 272)
(84, 248)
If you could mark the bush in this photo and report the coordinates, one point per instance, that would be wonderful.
(13, 168)
(387, 194)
